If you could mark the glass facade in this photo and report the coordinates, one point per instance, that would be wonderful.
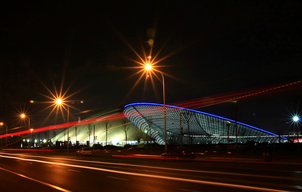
(192, 126)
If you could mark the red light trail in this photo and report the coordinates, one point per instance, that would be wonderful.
(65, 125)
(193, 104)
(223, 98)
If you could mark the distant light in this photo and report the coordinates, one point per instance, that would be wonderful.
(31, 129)
(59, 101)
(82, 101)
(296, 118)
(1, 123)
(22, 115)
(31, 101)
(148, 66)
(44, 141)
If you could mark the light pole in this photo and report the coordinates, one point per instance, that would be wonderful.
(60, 102)
(149, 67)
(1, 123)
(228, 126)
(23, 116)
(31, 133)
(180, 131)
(296, 119)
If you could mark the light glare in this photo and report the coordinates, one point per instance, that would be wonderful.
(296, 118)
(59, 101)
(148, 66)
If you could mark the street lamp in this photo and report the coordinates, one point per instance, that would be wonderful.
(31, 133)
(1, 123)
(296, 119)
(60, 102)
(148, 67)
(23, 116)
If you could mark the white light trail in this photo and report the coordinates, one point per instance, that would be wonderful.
(152, 176)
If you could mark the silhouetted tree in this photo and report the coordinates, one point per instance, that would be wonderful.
(125, 127)
(106, 127)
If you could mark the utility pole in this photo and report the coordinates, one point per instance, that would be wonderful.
(67, 129)
(228, 125)
(106, 133)
(235, 110)
(180, 131)
(93, 133)
(76, 133)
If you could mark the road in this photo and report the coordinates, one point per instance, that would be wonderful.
(40, 171)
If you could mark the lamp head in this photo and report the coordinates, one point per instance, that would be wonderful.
(58, 101)
(148, 66)
(296, 118)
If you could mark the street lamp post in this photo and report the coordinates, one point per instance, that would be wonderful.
(67, 129)
(228, 125)
(31, 133)
(149, 67)
(60, 102)
(1, 123)
(23, 116)
(296, 119)
(180, 131)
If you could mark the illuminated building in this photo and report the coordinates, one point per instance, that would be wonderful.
(146, 122)
(95, 132)
(194, 126)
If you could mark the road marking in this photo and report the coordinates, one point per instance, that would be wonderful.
(165, 168)
(38, 181)
(117, 178)
(73, 170)
(154, 176)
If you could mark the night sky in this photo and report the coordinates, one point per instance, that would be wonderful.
(214, 48)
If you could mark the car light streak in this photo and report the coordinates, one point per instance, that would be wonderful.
(70, 124)
(164, 168)
(153, 176)
(227, 97)
(38, 181)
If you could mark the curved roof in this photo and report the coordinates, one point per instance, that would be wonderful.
(194, 123)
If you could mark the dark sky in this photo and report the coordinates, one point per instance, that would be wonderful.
(216, 48)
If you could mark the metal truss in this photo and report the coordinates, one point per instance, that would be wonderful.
(193, 126)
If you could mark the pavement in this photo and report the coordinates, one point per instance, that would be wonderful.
(270, 159)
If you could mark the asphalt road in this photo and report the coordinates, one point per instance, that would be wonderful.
(34, 171)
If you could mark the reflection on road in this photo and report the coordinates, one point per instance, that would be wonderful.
(73, 164)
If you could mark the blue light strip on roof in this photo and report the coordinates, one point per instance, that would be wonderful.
(204, 113)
